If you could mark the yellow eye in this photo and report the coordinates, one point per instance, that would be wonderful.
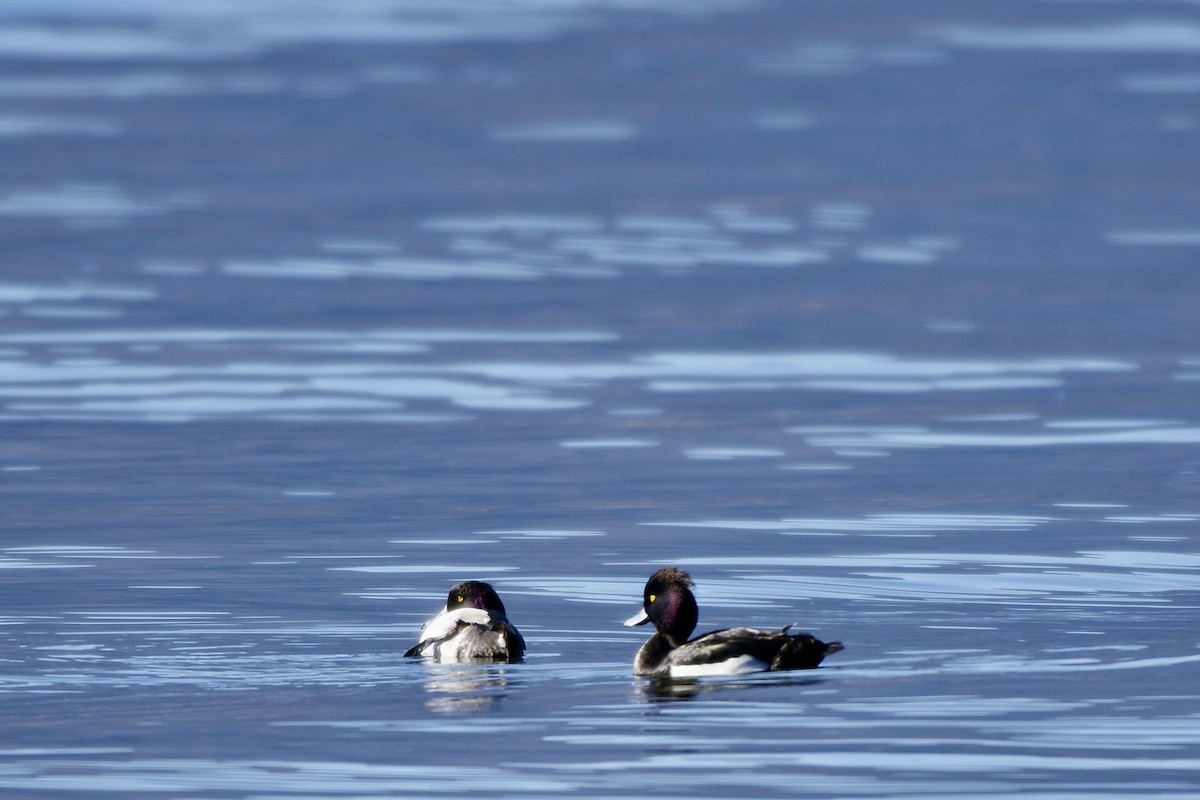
(653, 597)
(458, 599)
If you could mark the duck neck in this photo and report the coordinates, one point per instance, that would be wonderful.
(680, 620)
(651, 657)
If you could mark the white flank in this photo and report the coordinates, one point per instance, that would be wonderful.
(739, 665)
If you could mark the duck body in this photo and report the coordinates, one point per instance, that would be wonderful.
(668, 602)
(473, 626)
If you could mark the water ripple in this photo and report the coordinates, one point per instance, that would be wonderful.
(183, 375)
(1134, 36)
(1104, 433)
(293, 778)
(125, 30)
(87, 202)
(1087, 579)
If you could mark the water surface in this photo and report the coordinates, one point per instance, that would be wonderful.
(878, 319)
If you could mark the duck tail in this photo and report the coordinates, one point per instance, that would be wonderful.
(803, 651)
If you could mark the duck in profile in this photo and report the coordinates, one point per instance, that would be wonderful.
(667, 601)
(472, 627)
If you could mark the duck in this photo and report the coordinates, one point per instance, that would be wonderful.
(473, 626)
(668, 602)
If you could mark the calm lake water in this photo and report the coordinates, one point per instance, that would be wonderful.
(881, 318)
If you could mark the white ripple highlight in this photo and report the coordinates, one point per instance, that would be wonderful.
(1114, 433)
(182, 375)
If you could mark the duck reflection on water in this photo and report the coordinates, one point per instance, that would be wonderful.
(464, 688)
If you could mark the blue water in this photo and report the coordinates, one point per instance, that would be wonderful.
(879, 318)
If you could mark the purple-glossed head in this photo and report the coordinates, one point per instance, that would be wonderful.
(474, 594)
(668, 602)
